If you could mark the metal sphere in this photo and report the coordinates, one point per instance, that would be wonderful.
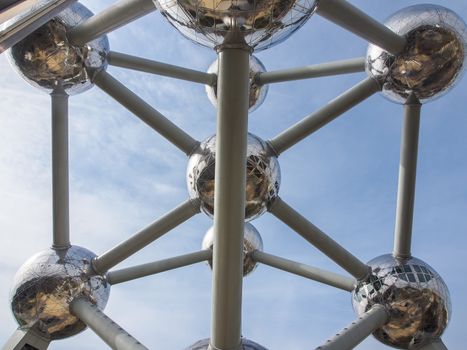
(257, 92)
(262, 176)
(46, 284)
(251, 241)
(415, 296)
(246, 345)
(258, 23)
(46, 57)
(432, 59)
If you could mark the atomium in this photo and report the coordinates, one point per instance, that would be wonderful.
(258, 93)
(251, 241)
(432, 59)
(246, 345)
(46, 57)
(46, 284)
(259, 23)
(262, 177)
(414, 295)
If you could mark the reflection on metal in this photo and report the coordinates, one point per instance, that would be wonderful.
(263, 176)
(25, 17)
(432, 59)
(261, 23)
(257, 92)
(414, 295)
(46, 57)
(252, 241)
(402, 300)
(46, 284)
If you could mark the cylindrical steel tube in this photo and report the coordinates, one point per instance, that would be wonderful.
(110, 332)
(131, 273)
(356, 332)
(353, 19)
(326, 114)
(60, 187)
(319, 239)
(313, 273)
(407, 178)
(147, 235)
(229, 200)
(115, 16)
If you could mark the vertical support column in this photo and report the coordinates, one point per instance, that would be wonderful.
(61, 226)
(407, 176)
(229, 200)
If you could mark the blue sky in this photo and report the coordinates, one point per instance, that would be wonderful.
(343, 178)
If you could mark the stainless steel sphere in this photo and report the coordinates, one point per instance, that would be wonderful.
(251, 241)
(257, 92)
(246, 345)
(262, 176)
(46, 284)
(258, 23)
(414, 295)
(433, 57)
(46, 57)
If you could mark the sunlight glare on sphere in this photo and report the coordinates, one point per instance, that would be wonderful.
(257, 92)
(432, 60)
(262, 177)
(259, 23)
(47, 283)
(251, 241)
(46, 58)
(415, 296)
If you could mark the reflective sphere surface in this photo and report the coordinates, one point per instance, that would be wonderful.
(262, 176)
(46, 56)
(251, 241)
(246, 345)
(46, 284)
(257, 92)
(414, 295)
(432, 60)
(259, 23)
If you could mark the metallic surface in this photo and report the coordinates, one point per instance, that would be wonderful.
(60, 181)
(246, 345)
(118, 14)
(432, 60)
(25, 17)
(324, 115)
(262, 176)
(352, 65)
(313, 273)
(119, 59)
(407, 178)
(46, 56)
(252, 241)
(319, 239)
(346, 15)
(145, 112)
(147, 235)
(414, 295)
(110, 332)
(229, 203)
(257, 92)
(46, 284)
(259, 23)
(139, 271)
(358, 330)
